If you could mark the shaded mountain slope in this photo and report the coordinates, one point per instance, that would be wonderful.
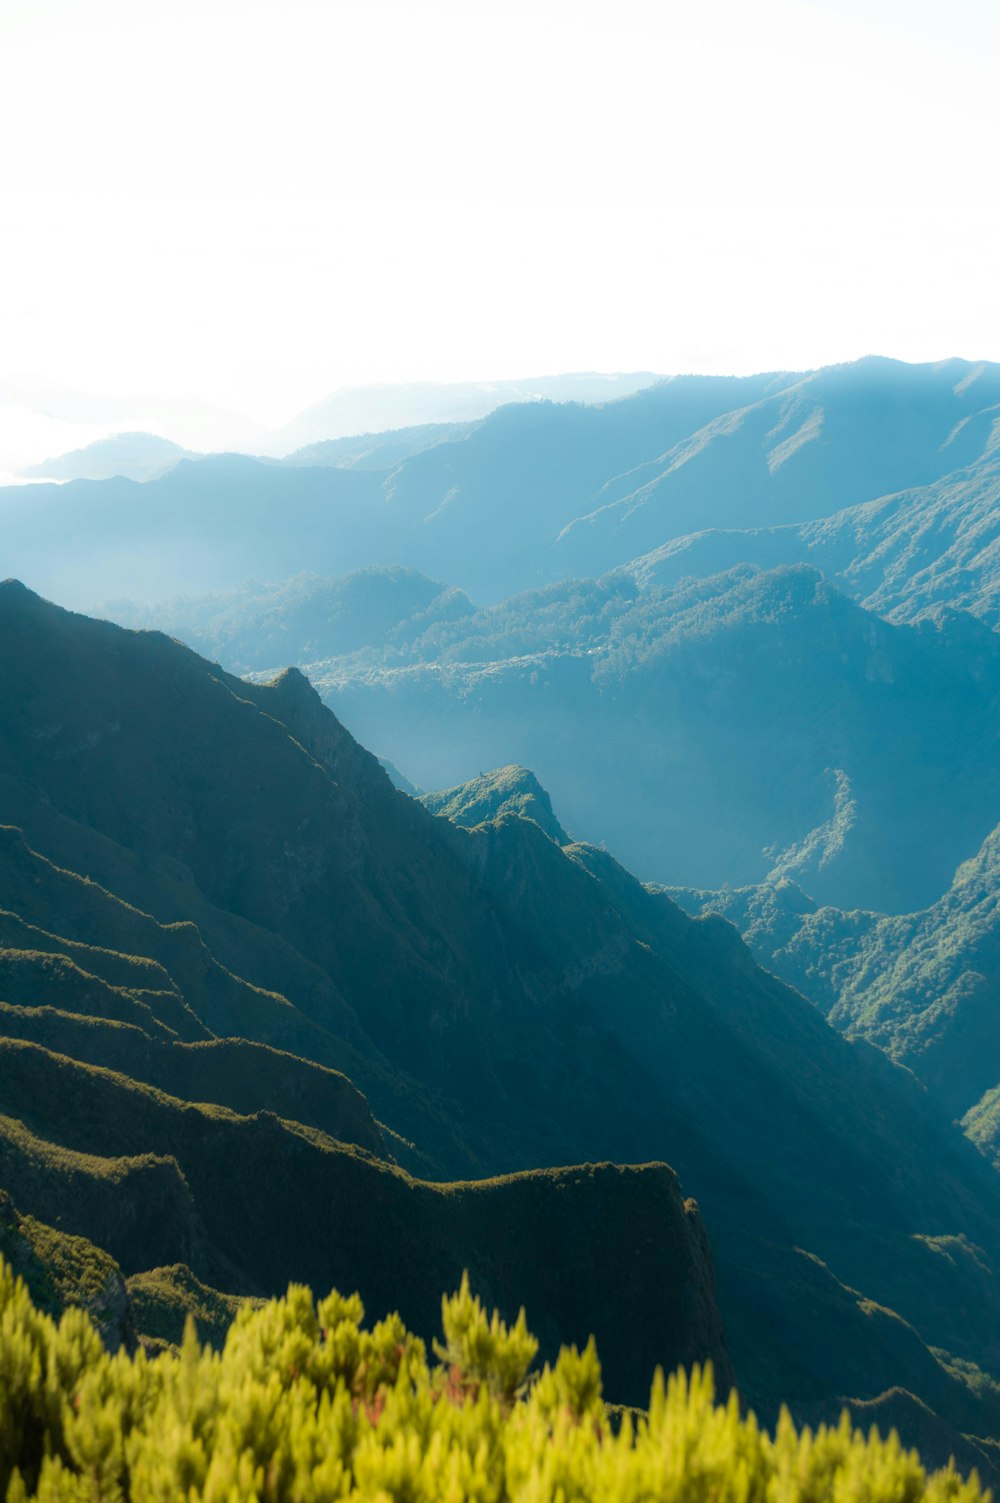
(236, 1073)
(62, 1270)
(721, 730)
(27, 975)
(835, 437)
(212, 1000)
(504, 1001)
(340, 1218)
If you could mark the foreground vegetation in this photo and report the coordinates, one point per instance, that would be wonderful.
(303, 1404)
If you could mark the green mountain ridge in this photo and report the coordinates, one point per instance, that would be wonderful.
(506, 790)
(410, 1235)
(728, 729)
(717, 731)
(922, 986)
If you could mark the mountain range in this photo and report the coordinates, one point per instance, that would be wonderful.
(269, 1010)
(715, 731)
(377, 409)
(540, 492)
(420, 412)
(266, 1016)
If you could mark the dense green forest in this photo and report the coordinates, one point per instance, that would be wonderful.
(305, 1403)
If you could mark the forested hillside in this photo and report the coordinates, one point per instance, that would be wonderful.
(754, 723)
(721, 731)
(922, 985)
(192, 860)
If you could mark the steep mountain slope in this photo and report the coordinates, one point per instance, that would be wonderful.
(922, 986)
(720, 731)
(235, 1073)
(903, 555)
(62, 1270)
(502, 1001)
(507, 790)
(832, 438)
(339, 1218)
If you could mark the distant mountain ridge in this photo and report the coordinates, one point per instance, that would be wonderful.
(376, 451)
(873, 770)
(406, 405)
(134, 456)
(904, 556)
(752, 722)
(822, 442)
(539, 492)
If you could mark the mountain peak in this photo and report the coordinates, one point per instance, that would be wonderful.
(506, 790)
(292, 681)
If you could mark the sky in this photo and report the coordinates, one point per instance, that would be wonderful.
(258, 203)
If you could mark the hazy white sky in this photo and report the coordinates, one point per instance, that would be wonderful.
(260, 201)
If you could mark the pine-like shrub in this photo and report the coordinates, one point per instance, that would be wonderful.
(304, 1404)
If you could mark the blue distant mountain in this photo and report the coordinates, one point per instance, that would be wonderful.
(134, 456)
(541, 492)
(409, 404)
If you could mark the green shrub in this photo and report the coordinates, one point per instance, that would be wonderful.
(303, 1405)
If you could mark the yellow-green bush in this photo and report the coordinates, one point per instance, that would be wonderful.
(304, 1405)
